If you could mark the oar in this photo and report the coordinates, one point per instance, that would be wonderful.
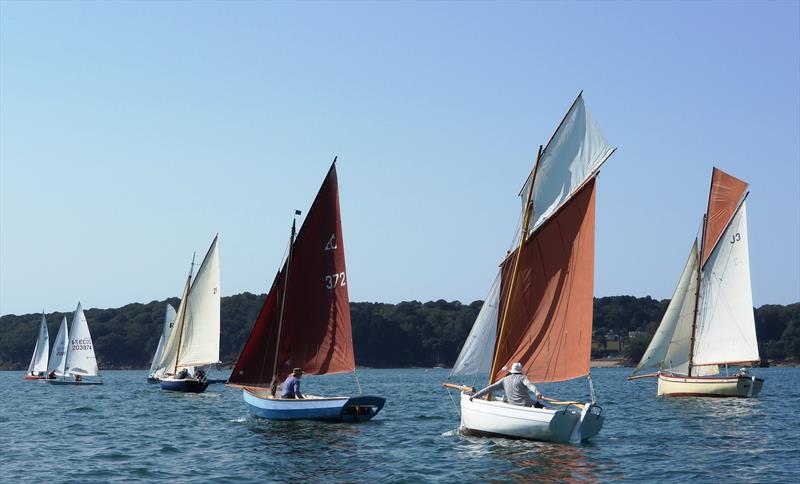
(560, 402)
(462, 388)
(637, 377)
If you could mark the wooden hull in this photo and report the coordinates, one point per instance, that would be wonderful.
(567, 425)
(35, 377)
(336, 409)
(709, 386)
(186, 385)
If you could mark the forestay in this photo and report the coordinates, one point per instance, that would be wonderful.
(58, 354)
(669, 348)
(39, 359)
(476, 355)
(576, 151)
(80, 353)
(725, 324)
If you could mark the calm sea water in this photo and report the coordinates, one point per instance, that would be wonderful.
(128, 430)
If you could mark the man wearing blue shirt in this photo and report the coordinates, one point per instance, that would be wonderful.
(291, 387)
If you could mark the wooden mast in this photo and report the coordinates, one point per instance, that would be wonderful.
(523, 236)
(274, 385)
(183, 316)
(697, 296)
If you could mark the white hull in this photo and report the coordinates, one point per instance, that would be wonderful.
(708, 386)
(567, 425)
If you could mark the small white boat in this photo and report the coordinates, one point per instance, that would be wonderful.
(37, 369)
(194, 343)
(539, 308)
(709, 322)
(78, 366)
(155, 373)
(305, 323)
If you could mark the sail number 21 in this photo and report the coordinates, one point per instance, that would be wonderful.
(334, 280)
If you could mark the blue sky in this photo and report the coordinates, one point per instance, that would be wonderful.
(132, 132)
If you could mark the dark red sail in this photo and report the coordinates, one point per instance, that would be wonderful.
(316, 333)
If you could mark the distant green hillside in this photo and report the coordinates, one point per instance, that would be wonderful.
(386, 335)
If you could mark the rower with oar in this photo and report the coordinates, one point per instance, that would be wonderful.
(515, 386)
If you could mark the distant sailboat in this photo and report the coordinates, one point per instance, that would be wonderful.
(37, 369)
(194, 341)
(155, 372)
(79, 359)
(305, 323)
(539, 308)
(709, 321)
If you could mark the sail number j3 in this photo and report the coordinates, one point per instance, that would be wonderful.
(736, 238)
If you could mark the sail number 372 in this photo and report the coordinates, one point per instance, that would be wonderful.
(333, 281)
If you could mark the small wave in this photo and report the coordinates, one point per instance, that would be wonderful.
(239, 420)
(82, 410)
(429, 417)
(115, 456)
(168, 449)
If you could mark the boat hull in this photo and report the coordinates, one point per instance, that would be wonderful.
(35, 377)
(709, 386)
(335, 409)
(568, 425)
(186, 385)
(73, 382)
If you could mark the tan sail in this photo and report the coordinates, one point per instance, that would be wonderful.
(723, 199)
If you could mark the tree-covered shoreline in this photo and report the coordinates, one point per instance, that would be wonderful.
(407, 334)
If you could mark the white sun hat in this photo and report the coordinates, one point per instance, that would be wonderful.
(516, 368)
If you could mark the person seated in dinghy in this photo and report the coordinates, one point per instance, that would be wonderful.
(183, 374)
(291, 386)
(516, 387)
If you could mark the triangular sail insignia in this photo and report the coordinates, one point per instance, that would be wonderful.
(316, 333)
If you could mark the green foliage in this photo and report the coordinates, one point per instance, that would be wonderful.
(410, 333)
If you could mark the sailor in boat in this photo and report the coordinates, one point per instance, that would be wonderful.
(78, 378)
(291, 386)
(52, 375)
(516, 387)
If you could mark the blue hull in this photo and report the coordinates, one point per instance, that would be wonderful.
(189, 386)
(338, 409)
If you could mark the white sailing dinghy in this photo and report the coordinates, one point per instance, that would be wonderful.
(709, 321)
(539, 308)
(305, 323)
(79, 360)
(58, 354)
(155, 373)
(37, 369)
(194, 341)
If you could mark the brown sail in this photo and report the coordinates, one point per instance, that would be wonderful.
(725, 194)
(316, 333)
(548, 325)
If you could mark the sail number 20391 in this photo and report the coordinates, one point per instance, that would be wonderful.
(332, 281)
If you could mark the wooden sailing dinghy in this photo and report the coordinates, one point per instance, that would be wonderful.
(305, 323)
(155, 373)
(37, 369)
(709, 322)
(78, 365)
(194, 341)
(539, 309)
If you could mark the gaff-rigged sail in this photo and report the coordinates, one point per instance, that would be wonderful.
(669, 348)
(58, 354)
(316, 333)
(575, 152)
(548, 320)
(40, 351)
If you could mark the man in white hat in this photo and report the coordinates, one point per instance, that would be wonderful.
(516, 387)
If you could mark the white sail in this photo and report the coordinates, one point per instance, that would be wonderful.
(41, 350)
(167, 362)
(574, 153)
(200, 341)
(58, 354)
(669, 348)
(476, 354)
(80, 353)
(726, 331)
(169, 320)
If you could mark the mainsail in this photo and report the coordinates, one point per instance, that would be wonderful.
(194, 340)
(80, 352)
(310, 292)
(539, 311)
(169, 320)
(58, 354)
(40, 351)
